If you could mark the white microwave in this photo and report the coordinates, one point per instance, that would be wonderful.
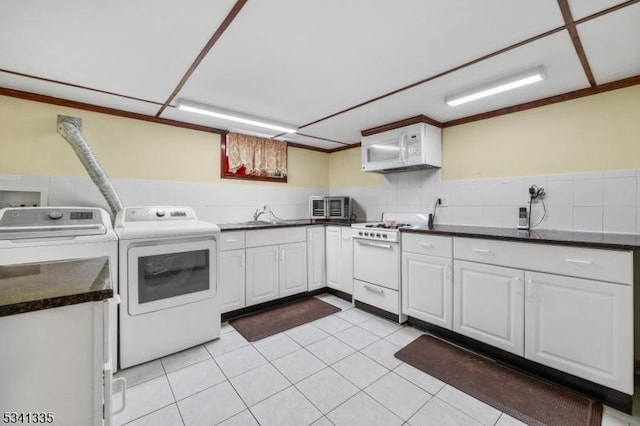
(418, 146)
(335, 207)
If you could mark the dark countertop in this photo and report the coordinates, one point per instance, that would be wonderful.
(542, 236)
(248, 226)
(37, 286)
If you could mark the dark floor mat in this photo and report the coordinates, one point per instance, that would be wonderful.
(275, 320)
(526, 398)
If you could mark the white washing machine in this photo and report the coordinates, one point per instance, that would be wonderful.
(44, 234)
(168, 265)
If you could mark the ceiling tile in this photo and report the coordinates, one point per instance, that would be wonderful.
(26, 84)
(135, 48)
(583, 8)
(612, 44)
(555, 52)
(296, 61)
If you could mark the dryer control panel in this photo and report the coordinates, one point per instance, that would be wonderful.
(158, 213)
(37, 222)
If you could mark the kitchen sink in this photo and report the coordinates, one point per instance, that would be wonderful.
(258, 223)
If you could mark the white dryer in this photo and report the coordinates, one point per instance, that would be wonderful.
(45, 234)
(168, 265)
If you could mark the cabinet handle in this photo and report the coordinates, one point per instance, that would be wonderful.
(124, 393)
(231, 240)
(516, 278)
(425, 245)
(579, 261)
(375, 290)
(481, 250)
(242, 261)
(310, 236)
(447, 269)
(282, 257)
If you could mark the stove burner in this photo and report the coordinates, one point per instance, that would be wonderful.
(385, 226)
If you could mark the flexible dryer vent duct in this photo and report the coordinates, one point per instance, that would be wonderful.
(69, 128)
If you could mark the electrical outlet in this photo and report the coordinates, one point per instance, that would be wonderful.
(444, 201)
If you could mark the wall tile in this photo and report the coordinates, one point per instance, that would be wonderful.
(559, 192)
(466, 215)
(560, 217)
(492, 216)
(587, 192)
(619, 191)
(587, 219)
(620, 220)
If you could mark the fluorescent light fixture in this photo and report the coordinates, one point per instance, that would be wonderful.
(226, 114)
(518, 80)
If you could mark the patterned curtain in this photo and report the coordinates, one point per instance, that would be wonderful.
(259, 156)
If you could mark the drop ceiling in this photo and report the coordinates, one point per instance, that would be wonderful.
(332, 68)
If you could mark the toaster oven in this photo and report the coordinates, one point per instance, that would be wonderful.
(330, 207)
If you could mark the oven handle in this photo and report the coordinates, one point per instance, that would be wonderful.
(366, 243)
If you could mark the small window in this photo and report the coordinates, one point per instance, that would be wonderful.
(253, 158)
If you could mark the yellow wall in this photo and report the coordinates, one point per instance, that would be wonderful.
(599, 132)
(133, 149)
(345, 170)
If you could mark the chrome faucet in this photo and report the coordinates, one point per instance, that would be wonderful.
(259, 213)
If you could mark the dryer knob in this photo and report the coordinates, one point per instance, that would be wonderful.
(55, 215)
(160, 213)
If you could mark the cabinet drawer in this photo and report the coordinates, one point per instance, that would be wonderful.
(274, 236)
(231, 240)
(427, 244)
(605, 265)
(374, 295)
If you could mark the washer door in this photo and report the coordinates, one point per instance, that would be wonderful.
(162, 275)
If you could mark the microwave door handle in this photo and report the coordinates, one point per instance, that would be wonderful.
(327, 214)
(403, 148)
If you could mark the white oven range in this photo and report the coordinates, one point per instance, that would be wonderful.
(376, 261)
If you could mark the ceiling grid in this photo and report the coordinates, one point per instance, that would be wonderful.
(313, 66)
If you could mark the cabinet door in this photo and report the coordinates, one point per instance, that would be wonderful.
(488, 304)
(316, 258)
(262, 274)
(333, 235)
(232, 280)
(582, 327)
(293, 268)
(427, 289)
(346, 261)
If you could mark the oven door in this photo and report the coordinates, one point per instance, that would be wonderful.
(377, 262)
(164, 274)
(338, 207)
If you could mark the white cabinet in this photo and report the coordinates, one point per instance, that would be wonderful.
(53, 360)
(262, 274)
(232, 271)
(339, 258)
(427, 287)
(581, 326)
(276, 264)
(293, 269)
(549, 304)
(232, 280)
(488, 304)
(316, 265)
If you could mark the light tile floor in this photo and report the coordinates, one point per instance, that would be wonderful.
(339, 370)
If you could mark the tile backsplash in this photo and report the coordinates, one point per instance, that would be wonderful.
(592, 202)
(215, 202)
(596, 202)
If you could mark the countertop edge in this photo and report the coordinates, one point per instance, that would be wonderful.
(55, 302)
(525, 239)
